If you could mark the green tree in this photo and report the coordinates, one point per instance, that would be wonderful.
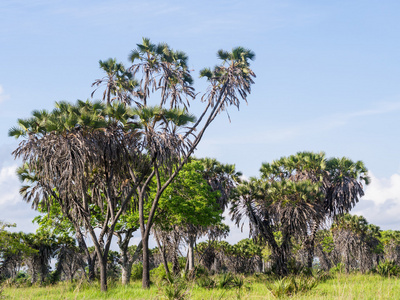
(12, 251)
(189, 206)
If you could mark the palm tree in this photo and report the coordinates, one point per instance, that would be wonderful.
(326, 187)
(345, 187)
(281, 206)
(118, 81)
(390, 240)
(70, 154)
(163, 69)
(221, 177)
(356, 240)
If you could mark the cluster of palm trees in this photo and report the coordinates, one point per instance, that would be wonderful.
(295, 196)
(98, 162)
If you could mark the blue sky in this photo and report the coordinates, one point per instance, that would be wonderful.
(327, 78)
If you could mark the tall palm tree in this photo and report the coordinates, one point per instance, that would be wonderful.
(162, 69)
(118, 81)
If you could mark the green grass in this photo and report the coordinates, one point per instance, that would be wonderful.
(342, 286)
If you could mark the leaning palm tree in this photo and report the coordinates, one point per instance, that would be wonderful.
(160, 68)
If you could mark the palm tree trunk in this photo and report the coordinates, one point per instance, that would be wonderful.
(91, 267)
(146, 262)
(163, 255)
(126, 268)
(280, 262)
(191, 253)
(310, 257)
(127, 262)
(103, 273)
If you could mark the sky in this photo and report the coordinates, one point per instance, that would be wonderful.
(327, 79)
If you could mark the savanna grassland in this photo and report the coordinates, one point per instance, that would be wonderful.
(340, 286)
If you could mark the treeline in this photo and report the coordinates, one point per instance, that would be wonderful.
(351, 244)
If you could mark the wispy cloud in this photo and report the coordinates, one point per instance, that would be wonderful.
(306, 127)
(327, 122)
(3, 96)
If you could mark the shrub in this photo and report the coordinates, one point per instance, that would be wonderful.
(339, 268)
(205, 282)
(292, 285)
(387, 268)
(174, 288)
(159, 272)
(137, 271)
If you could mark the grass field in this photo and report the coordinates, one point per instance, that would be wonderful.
(341, 286)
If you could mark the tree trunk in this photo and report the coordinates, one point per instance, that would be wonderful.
(91, 266)
(91, 261)
(103, 273)
(191, 253)
(146, 263)
(126, 270)
(33, 276)
(280, 261)
(175, 264)
(175, 261)
(310, 258)
(127, 262)
(126, 266)
(163, 255)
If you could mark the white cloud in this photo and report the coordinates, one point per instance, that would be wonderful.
(381, 202)
(3, 96)
(9, 186)
(12, 208)
(381, 189)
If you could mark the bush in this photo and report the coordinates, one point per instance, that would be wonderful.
(290, 286)
(174, 288)
(159, 272)
(137, 271)
(387, 268)
(205, 282)
(339, 268)
(198, 272)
